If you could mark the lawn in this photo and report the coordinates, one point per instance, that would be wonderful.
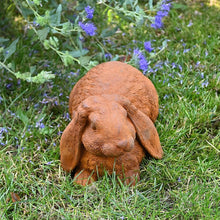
(185, 184)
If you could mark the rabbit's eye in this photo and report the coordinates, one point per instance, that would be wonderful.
(93, 126)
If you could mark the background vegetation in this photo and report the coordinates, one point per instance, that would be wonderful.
(184, 65)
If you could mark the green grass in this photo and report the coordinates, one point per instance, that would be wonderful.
(185, 184)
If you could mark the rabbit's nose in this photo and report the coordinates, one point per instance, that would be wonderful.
(126, 145)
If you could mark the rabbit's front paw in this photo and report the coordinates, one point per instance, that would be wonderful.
(84, 177)
(131, 177)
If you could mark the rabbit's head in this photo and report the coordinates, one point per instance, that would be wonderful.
(108, 131)
(107, 125)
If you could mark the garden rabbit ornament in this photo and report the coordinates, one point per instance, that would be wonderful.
(113, 109)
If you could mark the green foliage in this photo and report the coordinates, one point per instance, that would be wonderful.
(56, 27)
(7, 52)
(41, 77)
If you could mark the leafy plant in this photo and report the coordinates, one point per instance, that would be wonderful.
(75, 35)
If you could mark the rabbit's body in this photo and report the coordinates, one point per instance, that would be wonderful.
(94, 165)
(117, 78)
(110, 106)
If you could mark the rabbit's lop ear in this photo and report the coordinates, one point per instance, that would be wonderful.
(146, 131)
(70, 143)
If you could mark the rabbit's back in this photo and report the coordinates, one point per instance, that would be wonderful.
(117, 78)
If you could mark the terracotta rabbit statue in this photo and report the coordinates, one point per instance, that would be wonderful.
(113, 110)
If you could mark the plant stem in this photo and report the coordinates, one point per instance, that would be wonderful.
(4, 66)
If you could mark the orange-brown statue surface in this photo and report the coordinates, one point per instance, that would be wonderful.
(113, 110)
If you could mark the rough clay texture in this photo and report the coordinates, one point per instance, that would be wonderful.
(117, 78)
(113, 108)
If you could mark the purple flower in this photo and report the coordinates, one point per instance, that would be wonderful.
(190, 24)
(89, 12)
(35, 24)
(59, 132)
(143, 64)
(147, 46)
(157, 23)
(81, 39)
(137, 52)
(173, 65)
(9, 85)
(3, 130)
(88, 27)
(197, 63)
(66, 116)
(162, 13)
(166, 7)
(205, 84)
(74, 73)
(186, 50)
(40, 124)
(108, 56)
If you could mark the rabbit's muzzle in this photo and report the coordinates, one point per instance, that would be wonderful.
(115, 150)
